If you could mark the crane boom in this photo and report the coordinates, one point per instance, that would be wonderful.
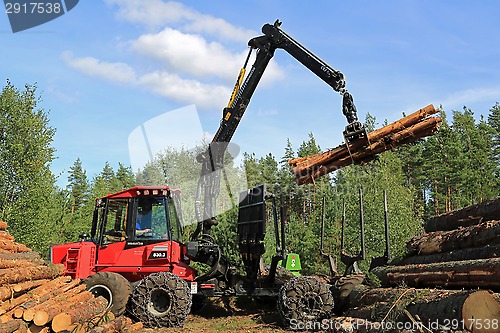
(213, 157)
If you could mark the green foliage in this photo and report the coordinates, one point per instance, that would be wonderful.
(458, 166)
(27, 193)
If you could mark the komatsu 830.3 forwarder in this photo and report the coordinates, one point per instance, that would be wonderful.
(134, 256)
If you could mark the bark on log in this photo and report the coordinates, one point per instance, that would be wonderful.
(79, 313)
(12, 246)
(20, 256)
(483, 252)
(11, 326)
(9, 291)
(444, 241)
(38, 292)
(6, 235)
(20, 274)
(467, 273)
(6, 263)
(46, 314)
(405, 130)
(116, 325)
(432, 306)
(136, 327)
(486, 211)
(53, 301)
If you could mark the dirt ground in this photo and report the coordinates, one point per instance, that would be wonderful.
(233, 315)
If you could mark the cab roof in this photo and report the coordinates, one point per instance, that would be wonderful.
(138, 191)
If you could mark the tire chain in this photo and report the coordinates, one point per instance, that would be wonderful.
(180, 300)
(305, 298)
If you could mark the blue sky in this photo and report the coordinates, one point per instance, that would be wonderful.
(106, 67)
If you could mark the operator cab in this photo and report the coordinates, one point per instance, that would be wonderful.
(139, 214)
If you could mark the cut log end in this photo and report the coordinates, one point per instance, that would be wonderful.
(61, 322)
(479, 311)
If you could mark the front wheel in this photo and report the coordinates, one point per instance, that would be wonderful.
(161, 300)
(304, 299)
(113, 287)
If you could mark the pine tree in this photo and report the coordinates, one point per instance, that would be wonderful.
(78, 185)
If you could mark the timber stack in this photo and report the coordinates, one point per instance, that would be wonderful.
(460, 249)
(408, 129)
(36, 297)
(452, 272)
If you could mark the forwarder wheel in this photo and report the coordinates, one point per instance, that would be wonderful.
(303, 300)
(342, 289)
(161, 300)
(113, 287)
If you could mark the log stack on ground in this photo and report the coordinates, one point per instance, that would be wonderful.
(431, 308)
(417, 125)
(461, 251)
(36, 297)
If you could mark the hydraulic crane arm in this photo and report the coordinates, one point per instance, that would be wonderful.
(265, 46)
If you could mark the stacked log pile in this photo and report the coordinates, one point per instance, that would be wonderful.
(432, 309)
(459, 253)
(459, 250)
(408, 129)
(36, 297)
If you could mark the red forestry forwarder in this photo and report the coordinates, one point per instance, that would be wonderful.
(134, 256)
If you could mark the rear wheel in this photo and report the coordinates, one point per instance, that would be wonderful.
(304, 299)
(342, 289)
(161, 300)
(113, 287)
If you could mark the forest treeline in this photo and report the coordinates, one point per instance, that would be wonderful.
(457, 167)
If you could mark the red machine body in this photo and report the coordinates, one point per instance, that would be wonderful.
(117, 245)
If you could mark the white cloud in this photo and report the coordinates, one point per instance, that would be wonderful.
(156, 13)
(191, 54)
(466, 97)
(196, 69)
(162, 83)
(117, 72)
(183, 90)
(194, 55)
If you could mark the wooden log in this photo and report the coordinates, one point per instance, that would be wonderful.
(134, 328)
(6, 235)
(44, 315)
(6, 263)
(20, 274)
(317, 165)
(482, 212)
(38, 292)
(434, 307)
(10, 290)
(12, 246)
(11, 326)
(483, 252)
(20, 256)
(374, 136)
(79, 313)
(116, 325)
(25, 310)
(54, 301)
(467, 273)
(444, 241)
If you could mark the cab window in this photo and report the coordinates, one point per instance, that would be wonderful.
(151, 219)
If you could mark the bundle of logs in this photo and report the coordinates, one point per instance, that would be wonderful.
(408, 129)
(459, 250)
(459, 253)
(36, 297)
